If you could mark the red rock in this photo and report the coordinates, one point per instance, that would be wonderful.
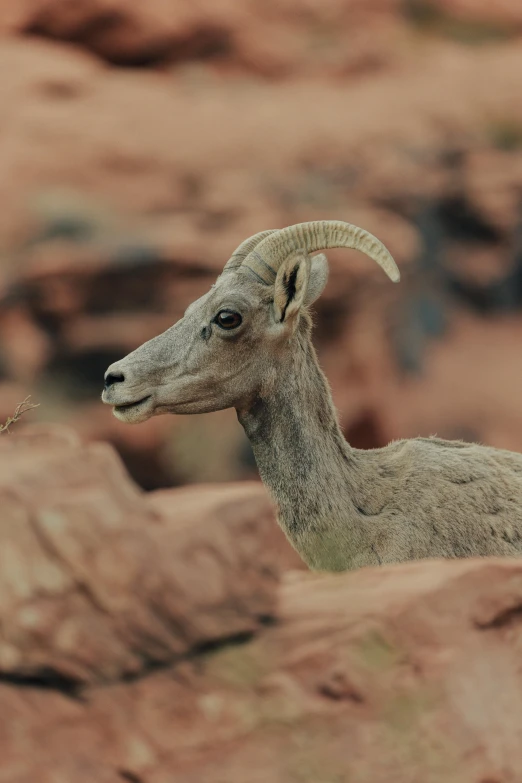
(271, 40)
(96, 576)
(135, 642)
(402, 673)
(158, 174)
(188, 191)
(505, 15)
(146, 638)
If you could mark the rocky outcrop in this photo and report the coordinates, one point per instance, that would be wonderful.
(337, 38)
(95, 576)
(272, 40)
(162, 637)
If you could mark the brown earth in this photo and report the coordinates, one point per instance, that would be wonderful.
(161, 637)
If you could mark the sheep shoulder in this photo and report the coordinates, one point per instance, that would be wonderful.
(444, 498)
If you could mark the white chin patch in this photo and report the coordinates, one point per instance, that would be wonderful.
(136, 413)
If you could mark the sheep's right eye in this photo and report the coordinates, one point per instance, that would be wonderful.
(227, 319)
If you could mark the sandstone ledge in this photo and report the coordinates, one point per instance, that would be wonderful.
(160, 637)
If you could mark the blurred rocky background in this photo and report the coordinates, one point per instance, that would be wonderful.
(166, 635)
(141, 142)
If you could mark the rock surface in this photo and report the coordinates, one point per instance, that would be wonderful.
(271, 39)
(95, 576)
(141, 142)
(332, 37)
(124, 192)
(160, 638)
(168, 636)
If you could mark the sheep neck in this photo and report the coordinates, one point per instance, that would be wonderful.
(306, 463)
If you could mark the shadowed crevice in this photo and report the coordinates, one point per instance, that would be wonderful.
(47, 679)
(505, 618)
(130, 777)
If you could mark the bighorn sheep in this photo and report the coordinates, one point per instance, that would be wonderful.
(247, 344)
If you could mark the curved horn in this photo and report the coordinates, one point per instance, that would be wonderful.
(246, 247)
(270, 253)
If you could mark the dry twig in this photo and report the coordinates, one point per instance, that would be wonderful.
(21, 408)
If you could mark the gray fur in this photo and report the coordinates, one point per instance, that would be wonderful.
(342, 508)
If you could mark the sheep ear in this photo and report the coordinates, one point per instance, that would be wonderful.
(318, 278)
(291, 286)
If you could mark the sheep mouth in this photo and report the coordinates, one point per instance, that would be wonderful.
(127, 406)
(134, 412)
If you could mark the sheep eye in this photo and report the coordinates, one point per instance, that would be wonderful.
(226, 319)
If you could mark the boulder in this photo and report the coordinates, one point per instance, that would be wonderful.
(99, 582)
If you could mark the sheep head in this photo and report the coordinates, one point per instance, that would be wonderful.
(230, 346)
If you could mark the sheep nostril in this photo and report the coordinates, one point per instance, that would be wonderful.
(112, 378)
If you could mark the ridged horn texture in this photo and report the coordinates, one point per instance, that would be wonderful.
(246, 247)
(270, 252)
